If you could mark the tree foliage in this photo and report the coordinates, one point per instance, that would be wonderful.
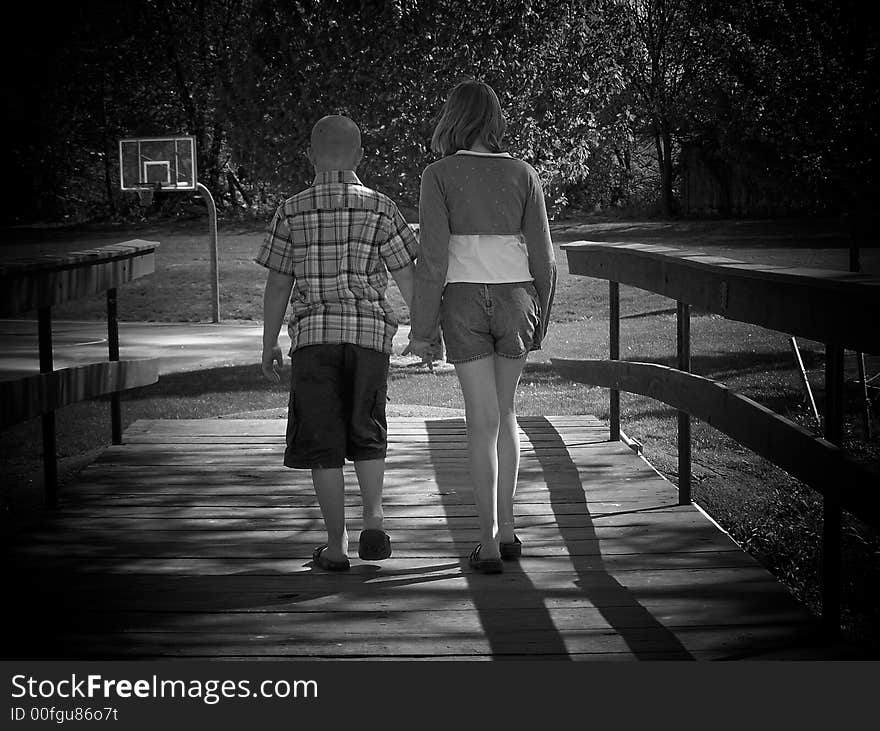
(599, 94)
(786, 89)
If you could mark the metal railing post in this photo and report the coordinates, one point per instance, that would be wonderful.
(805, 381)
(683, 343)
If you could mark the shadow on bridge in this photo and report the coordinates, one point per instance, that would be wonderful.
(646, 637)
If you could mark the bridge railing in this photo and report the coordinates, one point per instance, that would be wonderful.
(839, 309)
(42, 282)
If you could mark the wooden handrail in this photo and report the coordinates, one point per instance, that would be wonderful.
(838, 308)
(39, 283)
(31, 396)
(824, 305)
(812, 460)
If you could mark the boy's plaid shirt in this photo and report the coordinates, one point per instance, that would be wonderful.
(339, 239)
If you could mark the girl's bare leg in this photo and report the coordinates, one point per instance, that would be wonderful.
(507, 375)
(477, 378)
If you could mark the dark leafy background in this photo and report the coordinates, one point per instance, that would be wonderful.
(600, 94)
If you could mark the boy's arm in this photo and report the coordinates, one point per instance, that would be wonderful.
(275, 299)
(398, 252)
(404, 278)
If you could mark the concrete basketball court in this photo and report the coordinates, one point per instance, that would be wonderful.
(179, 346)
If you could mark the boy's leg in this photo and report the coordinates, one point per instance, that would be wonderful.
(316, 434)
(330, 489)
(367, 430)
(371, 478)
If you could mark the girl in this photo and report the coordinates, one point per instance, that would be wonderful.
(486, 272)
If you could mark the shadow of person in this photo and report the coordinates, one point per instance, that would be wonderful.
(112, 588)
(511, 609)
(643, 634)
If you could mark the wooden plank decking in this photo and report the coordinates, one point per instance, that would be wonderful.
(190, 540)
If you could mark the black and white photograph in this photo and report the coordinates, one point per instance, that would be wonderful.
(381, 335)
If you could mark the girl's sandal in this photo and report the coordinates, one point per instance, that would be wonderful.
(511, 551)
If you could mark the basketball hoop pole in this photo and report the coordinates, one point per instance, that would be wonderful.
(212, 227)
(148, 164)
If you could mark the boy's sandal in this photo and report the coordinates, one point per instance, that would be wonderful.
(329, 564)
(511, 551)
(484, 565)
(374, 545)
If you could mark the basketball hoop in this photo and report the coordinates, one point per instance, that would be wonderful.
(145, 193)
(169, 164)
(148, 164)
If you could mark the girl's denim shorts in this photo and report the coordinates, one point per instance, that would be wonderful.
(480, 320)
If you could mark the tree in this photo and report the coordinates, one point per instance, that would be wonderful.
(789, 93)
(667, 60)
(782, 84)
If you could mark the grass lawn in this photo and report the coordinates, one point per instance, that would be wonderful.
(765, 510)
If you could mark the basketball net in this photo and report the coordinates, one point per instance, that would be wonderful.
(145, 195)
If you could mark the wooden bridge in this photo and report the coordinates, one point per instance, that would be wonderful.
(191, 540)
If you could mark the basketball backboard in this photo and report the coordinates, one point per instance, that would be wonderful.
(165, 163)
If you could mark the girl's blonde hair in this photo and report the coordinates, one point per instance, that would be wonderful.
(472, 112)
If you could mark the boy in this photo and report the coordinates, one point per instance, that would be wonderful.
(329, 250)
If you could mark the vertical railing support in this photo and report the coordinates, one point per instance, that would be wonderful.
(831, 511)
(834, 394)
(866, 401)
(113, 347)
(831, 558)
(50, 465)
(614, 348)
(855, 265)
(683, 342)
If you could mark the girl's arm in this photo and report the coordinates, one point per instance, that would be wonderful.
(433, 260)
(542, 259)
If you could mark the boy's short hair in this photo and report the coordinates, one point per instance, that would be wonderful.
(472, 112)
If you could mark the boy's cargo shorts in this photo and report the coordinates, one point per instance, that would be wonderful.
(480, 320)
(337, 406)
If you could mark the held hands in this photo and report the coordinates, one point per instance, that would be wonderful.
(271, 357)
(427, 351)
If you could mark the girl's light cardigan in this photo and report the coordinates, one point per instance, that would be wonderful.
(478, 193)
